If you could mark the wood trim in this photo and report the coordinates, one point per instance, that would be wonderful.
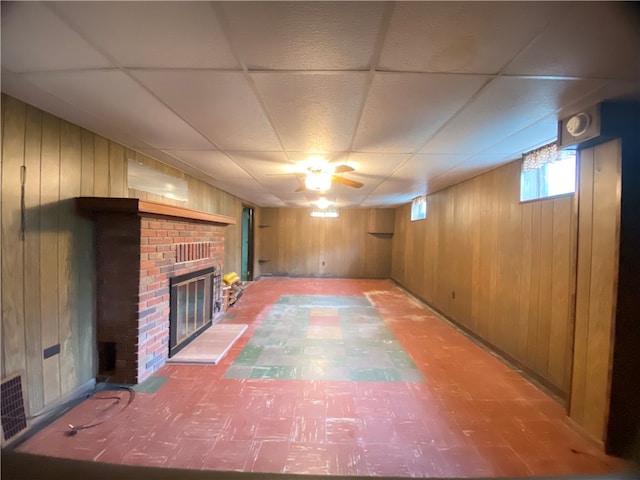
(139, 207)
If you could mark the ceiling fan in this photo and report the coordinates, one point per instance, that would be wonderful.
(320, 177)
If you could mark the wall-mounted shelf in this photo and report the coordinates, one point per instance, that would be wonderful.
(263, 226)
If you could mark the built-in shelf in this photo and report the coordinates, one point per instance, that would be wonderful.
(142, 207)
(263, 261)
(263, 226)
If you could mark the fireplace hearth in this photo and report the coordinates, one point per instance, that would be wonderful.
(143, 250)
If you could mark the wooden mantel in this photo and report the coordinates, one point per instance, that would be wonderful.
(142, 207)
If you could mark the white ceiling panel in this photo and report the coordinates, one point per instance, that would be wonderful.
(221, 105)
(396, 190)
(313, 112)
(209, 161)
(421, 167)
(469, 169)
(593, 39)
(527, 139)
(415, 96)
(119, 101)
(165, 34)
(504, 107)
(35, 39)
(263, 163)
(403, 110)
(305, 35)
(374, 165)
(485, 38)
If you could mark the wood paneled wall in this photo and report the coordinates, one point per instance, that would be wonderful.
(597, 282)
(47, 281)
(291, 242)
(502, 269)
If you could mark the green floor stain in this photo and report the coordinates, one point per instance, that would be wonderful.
(284, 347)
(151, 384)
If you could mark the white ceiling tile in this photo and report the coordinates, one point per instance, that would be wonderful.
(210, 162)
(398, 190)
(504, 107)
(313, 112)
(469, 169)
(264, 165)
(154, 34)
(374, 165)
(525, 140)
(35, 39)
(593, 39)
(473, 37)
(421, 167)
(305, 35)
(119, 101)
(403, 110)
(221, 105)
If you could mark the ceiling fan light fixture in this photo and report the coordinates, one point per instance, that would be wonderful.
(329, 212)
(320, 181)
(322, 203)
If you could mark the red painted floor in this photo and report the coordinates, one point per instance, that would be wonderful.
(473, 416)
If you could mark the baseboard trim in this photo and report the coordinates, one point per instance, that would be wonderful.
(504, 357)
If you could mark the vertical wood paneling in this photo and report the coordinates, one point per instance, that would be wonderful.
(295, 243)
(88, 165)
(48, 280)
(49, 288)
(585, 215)
(117, 171)
(501, 258)
(598, 242)
(13, 334)
(562, 269)
(33, 328)
(70, 180)
(101, 166)
(544, 296)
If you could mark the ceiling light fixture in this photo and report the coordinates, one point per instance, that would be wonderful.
(325, 212)
(318, 180)
(322, 203)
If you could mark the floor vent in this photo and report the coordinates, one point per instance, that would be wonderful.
(14, 419)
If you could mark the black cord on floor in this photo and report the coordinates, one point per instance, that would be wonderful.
(74, 429)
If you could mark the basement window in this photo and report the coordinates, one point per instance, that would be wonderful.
(547, 172)
(419, 208)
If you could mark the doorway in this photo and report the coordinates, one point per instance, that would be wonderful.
(247, 244)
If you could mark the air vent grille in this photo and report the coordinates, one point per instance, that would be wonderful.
(14, 419)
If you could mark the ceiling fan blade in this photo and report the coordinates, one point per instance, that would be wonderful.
(347, 182)
(343, 169)
(301, 188)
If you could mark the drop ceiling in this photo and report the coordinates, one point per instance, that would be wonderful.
(415, 96)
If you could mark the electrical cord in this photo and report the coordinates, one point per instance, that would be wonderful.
(74, 429)
(60, 410)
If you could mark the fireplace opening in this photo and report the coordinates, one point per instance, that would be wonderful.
(195, 300)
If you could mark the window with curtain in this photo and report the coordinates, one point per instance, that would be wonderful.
(547, 172)
(419, 208)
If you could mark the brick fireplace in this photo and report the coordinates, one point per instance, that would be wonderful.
(140, 246)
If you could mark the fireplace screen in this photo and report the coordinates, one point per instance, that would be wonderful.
(195, 297)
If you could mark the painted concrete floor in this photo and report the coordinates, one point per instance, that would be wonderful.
(418, 399)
